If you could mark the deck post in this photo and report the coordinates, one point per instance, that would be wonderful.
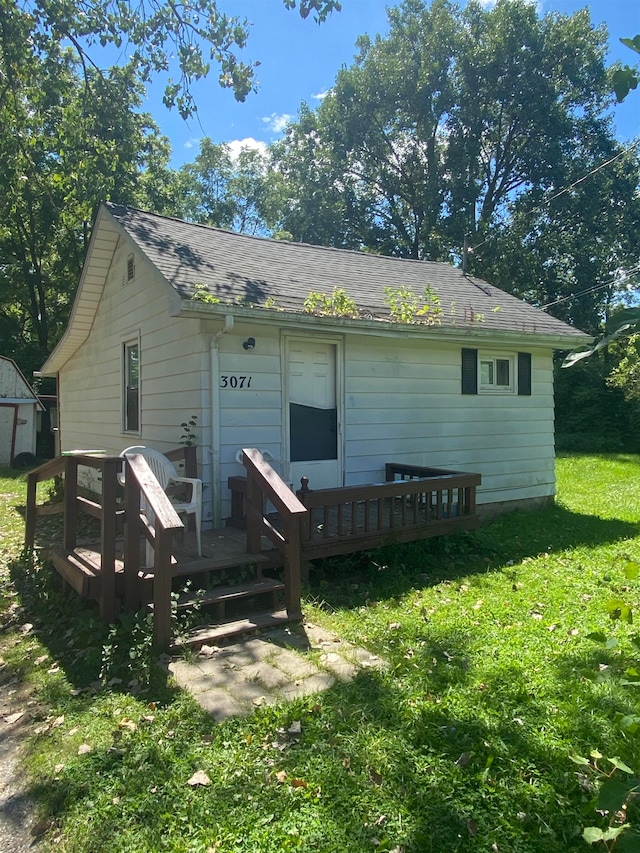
(254, 502)
(30, 513)
(292, 567)
(110, 470)
(131, 540)
(162, 590)
(70, 534)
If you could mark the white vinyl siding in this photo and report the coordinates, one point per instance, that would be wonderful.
(174, 359)
(404, 404)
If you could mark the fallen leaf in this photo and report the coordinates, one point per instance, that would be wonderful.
(41, 827)
(208, 651)
(295, 728)
(199, 778)
(57, 722)
(84, 749)
(58, 768)
(41, 659)
(27, 628)
(298, 783)
(394, 626)
(463, 760)
(128, 724)
(375, 777)
(574, 632)
(281, 776)
(259, 700)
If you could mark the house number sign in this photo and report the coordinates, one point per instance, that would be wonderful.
(234, 381)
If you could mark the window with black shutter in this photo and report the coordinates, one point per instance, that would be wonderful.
(486, 372)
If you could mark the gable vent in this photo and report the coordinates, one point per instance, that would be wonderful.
(131, 268)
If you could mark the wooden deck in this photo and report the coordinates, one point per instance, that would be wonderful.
(133, 564)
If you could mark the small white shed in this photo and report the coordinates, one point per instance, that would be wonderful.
(18, 407)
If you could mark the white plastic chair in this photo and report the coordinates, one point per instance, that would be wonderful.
(166, 475)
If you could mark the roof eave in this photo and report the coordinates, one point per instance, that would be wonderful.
(197, 309)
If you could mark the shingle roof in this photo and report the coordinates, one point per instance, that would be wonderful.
(246, 270)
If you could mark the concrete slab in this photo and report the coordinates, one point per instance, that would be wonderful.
(274, 667)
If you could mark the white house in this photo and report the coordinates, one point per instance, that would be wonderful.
(174, 320)
(18, 408)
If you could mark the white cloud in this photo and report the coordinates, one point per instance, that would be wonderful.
(277, 123)
(321, 95)
(194, 142)
(236, 145)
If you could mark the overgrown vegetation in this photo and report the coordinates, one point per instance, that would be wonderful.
(498, 680)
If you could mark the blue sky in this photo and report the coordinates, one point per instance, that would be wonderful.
(299, 61)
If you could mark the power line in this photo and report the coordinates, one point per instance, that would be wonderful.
(561, 192)
(593, 289)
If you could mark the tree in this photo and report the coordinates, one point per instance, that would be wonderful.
(154, 34)
(65, 144)
(229, 192)
(438, 128)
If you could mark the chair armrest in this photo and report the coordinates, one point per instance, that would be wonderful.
(196, 485)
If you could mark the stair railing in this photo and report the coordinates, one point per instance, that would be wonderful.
(72, 503)
(158, 523)
(264, 484)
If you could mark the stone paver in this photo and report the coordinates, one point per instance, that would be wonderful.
(271, 668)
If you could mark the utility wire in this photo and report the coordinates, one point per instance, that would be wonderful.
(593, 289)
(548, 201)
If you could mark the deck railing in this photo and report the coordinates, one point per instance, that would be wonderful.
(421, 503)
(263, 484)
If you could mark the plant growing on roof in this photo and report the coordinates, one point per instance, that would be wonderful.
(405, 306)
(339, 304)
(201, 294)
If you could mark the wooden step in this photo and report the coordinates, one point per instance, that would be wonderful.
(213, 564)
(223, 594)
(80, 568)
(213, 633)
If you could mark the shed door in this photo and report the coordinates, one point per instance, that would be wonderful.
(313, 414)
(7, 424)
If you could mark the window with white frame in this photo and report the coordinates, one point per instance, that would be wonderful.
(131, 387)
(496, 373)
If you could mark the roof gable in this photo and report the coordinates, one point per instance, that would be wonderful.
(13, 384)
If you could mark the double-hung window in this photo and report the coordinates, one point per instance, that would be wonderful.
(131, 387)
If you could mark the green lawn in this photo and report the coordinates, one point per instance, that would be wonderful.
(505, 669)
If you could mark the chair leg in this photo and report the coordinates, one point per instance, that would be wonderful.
(198, 514)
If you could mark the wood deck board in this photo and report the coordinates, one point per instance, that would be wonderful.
(220, 595)
(212, 633)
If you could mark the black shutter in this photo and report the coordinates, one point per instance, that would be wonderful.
(469, 371)
(524, 374)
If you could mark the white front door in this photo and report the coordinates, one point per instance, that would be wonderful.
(313, 414)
